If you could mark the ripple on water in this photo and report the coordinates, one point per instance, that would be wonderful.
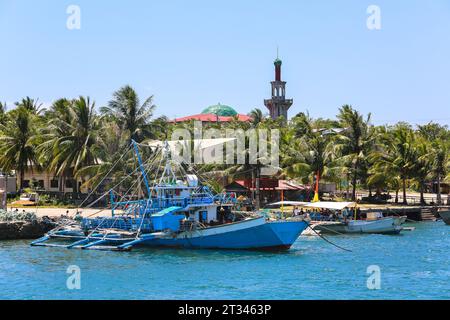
(413, 266)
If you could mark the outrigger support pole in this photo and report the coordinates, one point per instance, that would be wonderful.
(141, 166)
(111, 199)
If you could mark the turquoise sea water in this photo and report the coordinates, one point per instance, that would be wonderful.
(415, 265)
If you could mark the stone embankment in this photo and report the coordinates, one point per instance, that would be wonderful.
(14, 230)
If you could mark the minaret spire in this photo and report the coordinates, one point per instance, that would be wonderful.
(278, 105)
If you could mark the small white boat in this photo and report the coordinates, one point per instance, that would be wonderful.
(374, 224)
(388, 225)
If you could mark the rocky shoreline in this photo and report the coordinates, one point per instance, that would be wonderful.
(15, 230)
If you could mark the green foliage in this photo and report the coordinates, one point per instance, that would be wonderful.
(73, 138)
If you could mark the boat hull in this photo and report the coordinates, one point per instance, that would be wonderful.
(254, 234)
(389, 225)
(445, 215)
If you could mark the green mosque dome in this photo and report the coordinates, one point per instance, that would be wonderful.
(277, 62)
(220, 110)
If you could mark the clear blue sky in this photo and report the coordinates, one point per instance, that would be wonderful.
(191, 54)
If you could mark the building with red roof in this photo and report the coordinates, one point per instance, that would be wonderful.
(215, 113)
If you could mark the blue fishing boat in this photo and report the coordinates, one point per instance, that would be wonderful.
(174, 209)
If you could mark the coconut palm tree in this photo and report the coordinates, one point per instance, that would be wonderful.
(437, 138)
(398, 156)
(308, 155)
(257, 116)
(31, 105)
(111, 159)
(17, 151)
(424, 165)
(59, 120)
(73, 139)
(3, 109)
(354, 143)
(440, 164)
(132, 117)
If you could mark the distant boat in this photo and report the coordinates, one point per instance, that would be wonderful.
(388, 225)
(344, 222)
(445, 215)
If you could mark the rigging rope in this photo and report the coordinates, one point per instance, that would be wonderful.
(323, 238)
(106, 175)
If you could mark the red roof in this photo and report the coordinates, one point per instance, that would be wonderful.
(211, 118)
(284, 185)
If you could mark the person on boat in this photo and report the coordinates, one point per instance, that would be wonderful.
(221, 215)
(296, 212)
(78, 217)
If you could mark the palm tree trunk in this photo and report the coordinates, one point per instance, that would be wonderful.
(253, 184)
(348, 186)
(354, 186)
(404, 191)
(422, 199)
(439, 199)
(257, 202)
(22, 177)
(5, 199)
(396, 196)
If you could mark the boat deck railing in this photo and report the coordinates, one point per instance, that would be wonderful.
(123, 223)
(155, 204)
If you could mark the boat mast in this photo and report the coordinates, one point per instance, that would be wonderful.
(141, 167)
(168, 173)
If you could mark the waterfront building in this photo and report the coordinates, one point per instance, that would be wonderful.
(271, 189)
(46, 181)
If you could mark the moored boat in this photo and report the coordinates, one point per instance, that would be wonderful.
(388, 225)
(342, 220)
(177, 211)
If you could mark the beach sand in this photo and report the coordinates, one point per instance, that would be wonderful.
(58, 212)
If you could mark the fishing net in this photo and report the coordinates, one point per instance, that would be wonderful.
(6, 216)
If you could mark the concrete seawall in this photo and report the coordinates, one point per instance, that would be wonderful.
(418, 213)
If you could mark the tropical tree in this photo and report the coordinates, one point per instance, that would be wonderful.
(72, 140)
(423, 166)
(437, 138)
(307, 150)
(354, 143)
(132, 117)
(114, 160)
(31, 105)
(17, 151)
(3, 109)
(398, 155)
(440, 164)
(257, 116)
